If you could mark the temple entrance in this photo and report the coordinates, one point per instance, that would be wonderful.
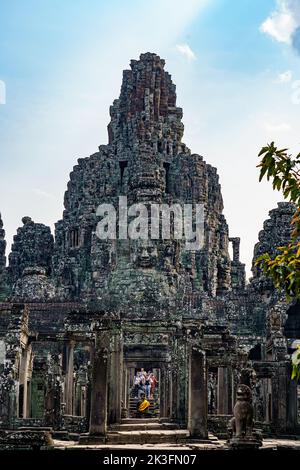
(147, 360)
(143, 382)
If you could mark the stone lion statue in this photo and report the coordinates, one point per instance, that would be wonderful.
(242, 422)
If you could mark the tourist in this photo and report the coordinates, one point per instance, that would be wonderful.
(153, 382)
(148, 385)
(142, 387)
(143, 406)
(136, 384)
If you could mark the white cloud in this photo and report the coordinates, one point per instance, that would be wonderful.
(279, 127)
(285, 77)
(186, 51)
(40, 192)
(283, 21)
(2, 92)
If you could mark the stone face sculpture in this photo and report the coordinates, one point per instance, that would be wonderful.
(242, 422)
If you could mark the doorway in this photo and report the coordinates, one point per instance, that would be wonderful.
(143, 381)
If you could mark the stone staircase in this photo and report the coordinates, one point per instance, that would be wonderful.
(146, 431)
(143, 424)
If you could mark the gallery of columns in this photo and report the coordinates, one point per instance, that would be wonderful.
(82, 381)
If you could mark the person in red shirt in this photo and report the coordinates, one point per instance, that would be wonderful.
(153, 383)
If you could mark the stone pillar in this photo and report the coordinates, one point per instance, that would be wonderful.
(235, 248)
(165, 391)
(292, 418)
(115, 382)
(24, 379)
(279, 399)
(282, 387)
(125, 386)
(182, 383)
(223, 388)
(88, 395)
(53, 399)
(80, 390)
(83, 401)
(235, 382)
(98, 418)
(120, 364)
(77, 397)
(25, 388)
(197, 422)
(174, 393)
(69, 377)
(175, 379)
(169, 391)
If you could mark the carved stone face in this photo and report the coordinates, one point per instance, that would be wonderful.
(146, 255)
(274, 320)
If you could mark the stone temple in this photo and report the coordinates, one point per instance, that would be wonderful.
(79, 315)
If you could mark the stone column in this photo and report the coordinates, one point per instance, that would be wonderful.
(182, 383)
(166, 405)
(69, 377)
(83, 401)
(125, 386)
(88, 395)
(24, 379)
(115, 382)
(120, 364)
(235, 382)
(231, 395)
(222, 394)
(279, 399)
(77, 397)
(165, 392)
(292, 419)
(174, 399)
(53, 395)
(174, 381)
(98, 418)
(236, 249)
(197, 422)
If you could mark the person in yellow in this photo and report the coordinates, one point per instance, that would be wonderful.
(143, 406)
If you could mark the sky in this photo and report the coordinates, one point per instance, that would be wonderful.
(236, 65)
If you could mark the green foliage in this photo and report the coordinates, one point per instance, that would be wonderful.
(284, 269)
(296, 364)
(284, 171)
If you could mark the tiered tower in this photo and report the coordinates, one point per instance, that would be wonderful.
(145, 160)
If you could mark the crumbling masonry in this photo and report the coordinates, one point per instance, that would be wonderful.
(78, 315)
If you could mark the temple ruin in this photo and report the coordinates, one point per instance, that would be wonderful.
(79, 315)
